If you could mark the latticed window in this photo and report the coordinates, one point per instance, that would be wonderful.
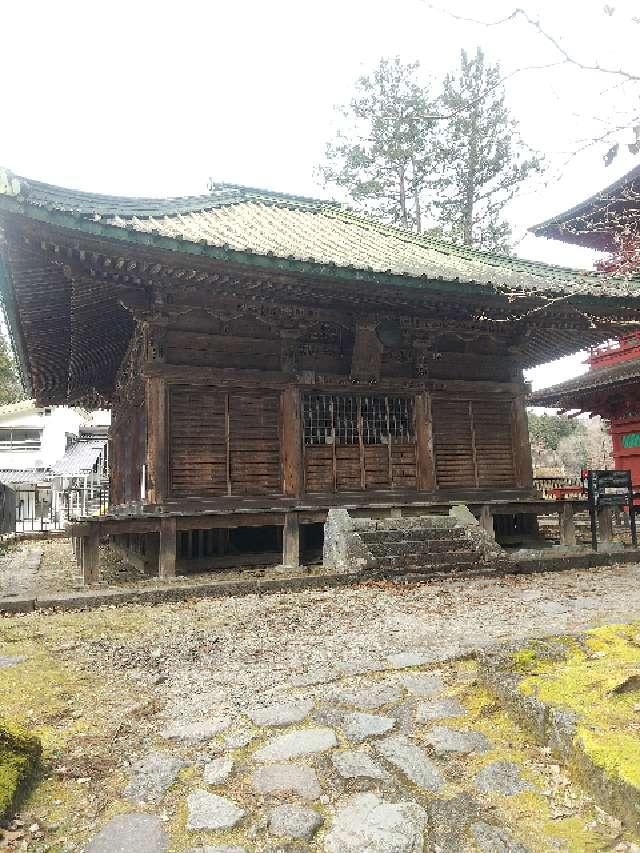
(343, 420)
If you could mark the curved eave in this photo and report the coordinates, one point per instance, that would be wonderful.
(558, 227)
(78, 223)
(599, 241)
(576, 396)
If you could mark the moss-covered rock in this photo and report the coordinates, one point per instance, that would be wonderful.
(579, 695)
(19, 756)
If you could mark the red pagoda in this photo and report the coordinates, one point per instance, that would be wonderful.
(610, 222)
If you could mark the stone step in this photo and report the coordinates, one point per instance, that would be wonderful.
(426, 570)
(413, 534)
(413, 546)
(400, 561)
(423, 522)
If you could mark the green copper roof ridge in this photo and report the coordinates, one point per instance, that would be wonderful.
(244, 194)
(29, 209)
(472, 253)
(118, 204)
(311, 267)
(276, 195)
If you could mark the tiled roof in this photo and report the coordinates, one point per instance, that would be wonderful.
(247, 225)
(25, 476)
(558, 395)
(594, 222)
(79, 458)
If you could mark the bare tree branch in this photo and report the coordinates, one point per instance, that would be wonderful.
(552, 40)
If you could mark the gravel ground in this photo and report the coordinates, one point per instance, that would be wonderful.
(103, 687)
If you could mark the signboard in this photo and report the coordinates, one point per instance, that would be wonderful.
(631, 439)
(610, 479)
(620, 494)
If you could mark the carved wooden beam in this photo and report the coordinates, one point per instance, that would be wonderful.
(366, 361)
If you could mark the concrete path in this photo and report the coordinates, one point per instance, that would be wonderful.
(19, 571)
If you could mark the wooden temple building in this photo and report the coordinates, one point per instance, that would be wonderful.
(608, 222)
(267, 357)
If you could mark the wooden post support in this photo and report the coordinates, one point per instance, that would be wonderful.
(291, 443)
(91, 556)
(424, 444)
(222, 541)
(291, 541)
(157, 438)
(167, 555)
(523, 469)
(605, 524)
(567, 524)
(486, 519)
(151, 544)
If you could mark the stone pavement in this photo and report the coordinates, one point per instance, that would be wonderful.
(355, 709)
(393, 759)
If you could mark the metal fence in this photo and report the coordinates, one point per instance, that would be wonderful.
(40, 509)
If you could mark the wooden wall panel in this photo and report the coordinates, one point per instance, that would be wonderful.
(348, 471)
(494, 445)
(291, 442)
(473, 443)
(403, 465)
(224, 444)
(453, 443)
(318, 468)
(197, 445)
(254, 444)
(376, 466)
(128, 453)
(207, 350)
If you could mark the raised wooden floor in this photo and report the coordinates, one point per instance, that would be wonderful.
(291, 514)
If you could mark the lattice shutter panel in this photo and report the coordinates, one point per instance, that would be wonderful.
(453, 443)
(358, 442)
(402, 432)
(492, 421)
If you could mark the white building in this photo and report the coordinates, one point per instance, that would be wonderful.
(32, 437)
(37, 446)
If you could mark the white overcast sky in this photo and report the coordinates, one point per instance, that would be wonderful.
(155, 97)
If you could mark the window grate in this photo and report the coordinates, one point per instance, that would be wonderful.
(344, 420)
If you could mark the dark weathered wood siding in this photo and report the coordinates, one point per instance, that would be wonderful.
(240, 407)
(473, 442)
(223, 443)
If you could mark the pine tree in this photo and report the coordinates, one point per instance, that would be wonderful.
(480, 157)
(382, 154)
(10, 386)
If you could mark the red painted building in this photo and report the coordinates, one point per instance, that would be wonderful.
(609, 222)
